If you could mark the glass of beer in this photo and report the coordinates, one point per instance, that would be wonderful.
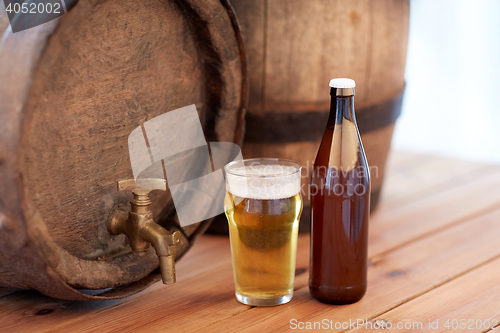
(263, 206)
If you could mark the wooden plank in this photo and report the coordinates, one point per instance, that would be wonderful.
(207, 252)
(30, 310)
(391, 228)
(393, 279)
(473, 296)
(408, 179)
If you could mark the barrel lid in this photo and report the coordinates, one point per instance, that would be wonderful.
(342, 87)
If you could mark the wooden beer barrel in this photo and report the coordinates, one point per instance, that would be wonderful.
(72, 91)
(294, 48)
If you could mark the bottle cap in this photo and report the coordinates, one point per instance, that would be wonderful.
(342, 87)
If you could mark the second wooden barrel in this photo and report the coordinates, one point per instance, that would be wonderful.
(294, 48)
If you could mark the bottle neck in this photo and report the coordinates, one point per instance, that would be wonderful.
(341, 107)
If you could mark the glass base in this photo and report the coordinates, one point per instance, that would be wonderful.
(263, 301)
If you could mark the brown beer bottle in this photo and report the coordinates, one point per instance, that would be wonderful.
(340, 205)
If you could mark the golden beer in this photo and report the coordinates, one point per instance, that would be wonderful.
(263, 228)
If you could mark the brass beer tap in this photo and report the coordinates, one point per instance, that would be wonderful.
(142, 231)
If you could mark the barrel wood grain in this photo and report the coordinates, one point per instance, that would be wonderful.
(387, 64)
(297, 64)
(296, 56)
(252, 26)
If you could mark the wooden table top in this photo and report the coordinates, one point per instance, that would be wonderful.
(434, 257)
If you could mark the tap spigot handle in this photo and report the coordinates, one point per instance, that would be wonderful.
(142, 186)
(140, 228)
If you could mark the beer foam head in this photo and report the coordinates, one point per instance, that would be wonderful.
(263, 182)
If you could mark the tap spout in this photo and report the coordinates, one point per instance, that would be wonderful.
(164, 243)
